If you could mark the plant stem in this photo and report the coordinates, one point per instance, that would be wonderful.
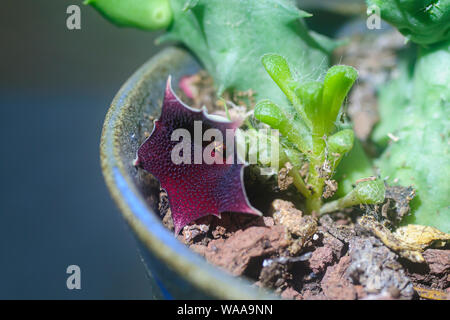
(332, 206)
(314, 202)
(299, 183)
(316, 161)
(339, 204)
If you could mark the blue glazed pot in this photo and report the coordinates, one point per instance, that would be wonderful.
(174, 270)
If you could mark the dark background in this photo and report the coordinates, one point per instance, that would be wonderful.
(55, 88)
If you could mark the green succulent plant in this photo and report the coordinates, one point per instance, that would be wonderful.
(414, 131)
(421, 21)
(414, 110)
(230, 37)
(311, 123)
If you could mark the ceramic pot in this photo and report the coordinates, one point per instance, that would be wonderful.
(174, 270)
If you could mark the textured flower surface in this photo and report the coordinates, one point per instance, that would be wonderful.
(194, 189)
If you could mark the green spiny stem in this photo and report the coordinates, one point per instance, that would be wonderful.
(421, 21)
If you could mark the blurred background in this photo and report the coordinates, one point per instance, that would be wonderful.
(55, 88)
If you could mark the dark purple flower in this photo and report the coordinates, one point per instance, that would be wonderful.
(194, 190)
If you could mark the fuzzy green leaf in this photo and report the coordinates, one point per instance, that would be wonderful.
(369, 192)
(341, 142)
(278, 69)
(337, 83)
(272, 115)
(310, 95)
(365, 192)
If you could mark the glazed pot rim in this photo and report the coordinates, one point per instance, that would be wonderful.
(141, 218)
